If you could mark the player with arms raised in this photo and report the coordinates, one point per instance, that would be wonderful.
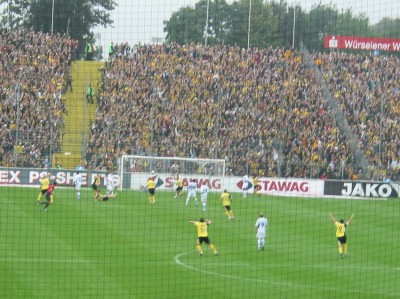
(202, 235)
(341, 233)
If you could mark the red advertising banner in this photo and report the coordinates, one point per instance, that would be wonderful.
(362, 43)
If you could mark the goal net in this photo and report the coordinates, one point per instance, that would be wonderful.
(135, 171)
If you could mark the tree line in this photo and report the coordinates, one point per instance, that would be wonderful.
(271, 23)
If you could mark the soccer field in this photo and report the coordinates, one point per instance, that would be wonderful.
(125, 248)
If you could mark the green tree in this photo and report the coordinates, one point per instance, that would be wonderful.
(321, 20)
(186, 25)
(219, 13)
(326, 19)
(75, 17)
(387, 27)
(227, 23)
(236, 32)
(271, 24)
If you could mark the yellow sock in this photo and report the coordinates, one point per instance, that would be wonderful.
(231, 214)
(39, 196)
(198, 246)
(345, 248)
(340, 248)
(213, 248)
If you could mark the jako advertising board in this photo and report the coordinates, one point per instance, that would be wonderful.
(361, 189)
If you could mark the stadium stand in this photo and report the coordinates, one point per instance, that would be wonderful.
(258, 109)
(366, 88)
(261, 110)
(34, 69)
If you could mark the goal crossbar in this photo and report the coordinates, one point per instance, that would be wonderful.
(170, 165)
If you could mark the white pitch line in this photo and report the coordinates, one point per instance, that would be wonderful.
(280, 283)
(180, 263)
(67, 261)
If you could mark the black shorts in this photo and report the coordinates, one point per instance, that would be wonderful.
(228, 208)
(342, 240)
(152, 191)
(204, 239)
(178, 189)
(94, 187)
(105, 198)
(44, 191)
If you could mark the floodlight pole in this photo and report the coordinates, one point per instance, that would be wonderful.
(294, 25)
(52, 17)
(18, 89)
(380, 137)
(206, 29)
(248, 31)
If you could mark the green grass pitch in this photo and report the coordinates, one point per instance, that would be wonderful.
(125, 248)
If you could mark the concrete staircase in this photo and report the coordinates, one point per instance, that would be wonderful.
(76, 132)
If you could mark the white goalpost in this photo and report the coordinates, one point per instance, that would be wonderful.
(134, 171)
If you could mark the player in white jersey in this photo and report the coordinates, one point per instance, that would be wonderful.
(204, 193)
(110, 184)
(245, 186)
(261, 229)
(192, 188)
(78, 184)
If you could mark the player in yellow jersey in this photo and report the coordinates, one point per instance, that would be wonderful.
(95, 186)
(202, 235)
(179, 187)
(103, 197)
(341, 233)
(256, 186)
(49, 196)
(151, 187)
(44, 184)
(226, 203)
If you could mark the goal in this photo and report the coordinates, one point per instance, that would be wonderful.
(135, 170)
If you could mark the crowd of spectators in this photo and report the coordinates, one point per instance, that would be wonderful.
(367, 88)
(33, 69)
(260, 110)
